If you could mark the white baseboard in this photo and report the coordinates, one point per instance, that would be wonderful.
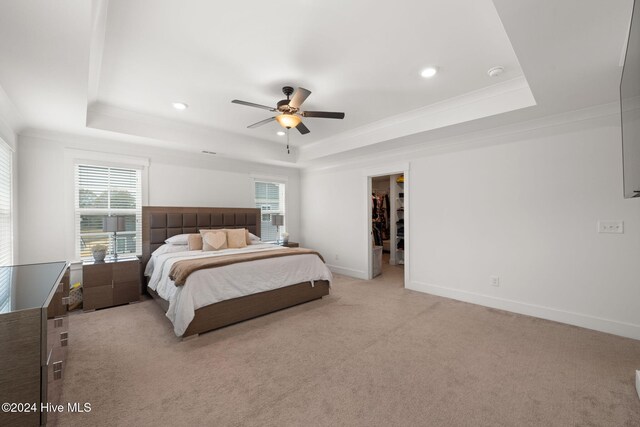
(623, 329)
(358, 274)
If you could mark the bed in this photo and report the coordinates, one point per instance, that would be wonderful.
(214, 298)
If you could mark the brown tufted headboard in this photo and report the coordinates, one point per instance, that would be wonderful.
(160, 222)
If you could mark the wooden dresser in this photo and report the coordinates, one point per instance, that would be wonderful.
(110, 282)
(34, 338)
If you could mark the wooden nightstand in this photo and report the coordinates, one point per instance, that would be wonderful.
(110, 282)
(290, 244)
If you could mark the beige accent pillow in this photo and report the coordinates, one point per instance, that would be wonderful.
(195, 242)
(248, 235)
(236, 238)
(213, 240)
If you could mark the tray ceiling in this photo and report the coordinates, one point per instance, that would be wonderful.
(113, 68)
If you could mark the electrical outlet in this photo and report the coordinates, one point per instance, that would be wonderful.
(495, 281)
(337, 257)
(613, 227)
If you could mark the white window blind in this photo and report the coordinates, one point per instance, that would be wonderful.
(102, 191)
(270, 200)
(6, 224)
(6, 220)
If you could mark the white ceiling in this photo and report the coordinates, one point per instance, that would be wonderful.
(44, 49)
(113, 67)
(355, 58)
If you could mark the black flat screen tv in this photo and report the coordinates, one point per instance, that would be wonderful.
(630, 108)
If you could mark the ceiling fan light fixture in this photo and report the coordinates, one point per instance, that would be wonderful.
(288, 120)
(288, 113)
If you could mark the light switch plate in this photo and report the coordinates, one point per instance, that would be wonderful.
(611, 226)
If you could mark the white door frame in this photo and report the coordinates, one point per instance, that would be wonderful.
(397, 168)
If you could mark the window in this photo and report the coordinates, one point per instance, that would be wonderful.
(101, 191)
(6, 224)
(270, 200)
(6, 220)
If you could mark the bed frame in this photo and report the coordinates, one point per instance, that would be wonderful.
(159, 223)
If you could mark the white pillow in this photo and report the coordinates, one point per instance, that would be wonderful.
(178, 239)
(164, 249)
(254, 239)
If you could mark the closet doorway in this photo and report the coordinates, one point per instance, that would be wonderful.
(388, 227)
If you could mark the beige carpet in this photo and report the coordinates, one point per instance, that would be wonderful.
(370, 354)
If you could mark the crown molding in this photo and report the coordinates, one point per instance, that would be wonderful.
(98, 33)
(508, 96)
(11, 121)
(185, 136)
(591, 117)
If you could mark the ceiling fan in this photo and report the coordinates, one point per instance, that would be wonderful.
(289, 110)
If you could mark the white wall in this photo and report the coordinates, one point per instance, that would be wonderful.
(525, 210)
(631, 145)
(8, 135)
(175, 179)
(333, 221)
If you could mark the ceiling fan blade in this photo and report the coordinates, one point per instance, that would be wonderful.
(298, 97)
(261, 122)
(251, 104)
(323, 114)
(302, 128)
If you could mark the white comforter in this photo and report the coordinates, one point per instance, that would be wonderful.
(204, 287)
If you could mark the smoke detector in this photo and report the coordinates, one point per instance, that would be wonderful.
(495, 71)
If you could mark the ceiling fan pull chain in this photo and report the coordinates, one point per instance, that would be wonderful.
(288, 152)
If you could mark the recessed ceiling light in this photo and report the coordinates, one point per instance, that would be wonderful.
(179, 105)
(429, 72)
(280, 133)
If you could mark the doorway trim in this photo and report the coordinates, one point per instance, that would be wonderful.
(368, 174)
